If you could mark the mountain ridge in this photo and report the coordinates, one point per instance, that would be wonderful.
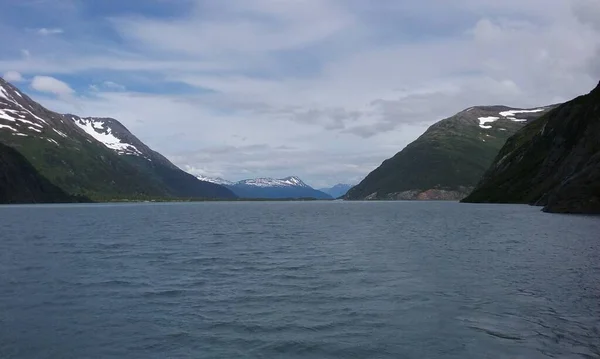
(95, 157)
(448, 159)
(266, 187)
(552, 162)
(337, 191)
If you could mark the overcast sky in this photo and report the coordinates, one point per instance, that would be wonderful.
(322, 89)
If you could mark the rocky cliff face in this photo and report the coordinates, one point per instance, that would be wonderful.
(431, 195)
(448, 160)
(553, 161)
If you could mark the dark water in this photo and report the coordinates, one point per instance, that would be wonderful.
(298, 280)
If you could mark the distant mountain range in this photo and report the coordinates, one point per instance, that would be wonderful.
(552, 162)
(288, 187)
(337, 191)
(447, 161)
(92, 157)
(546, 156)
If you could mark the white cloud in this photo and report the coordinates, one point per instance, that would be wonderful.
(345, 84)
(51, 85)
(241, 26)
(13, 76)
(588, 12)
(108, 86)
(49, 31)
(113, 86)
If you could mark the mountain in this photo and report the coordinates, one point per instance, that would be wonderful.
(553, 161)
(95, 157)
(270, 188)
(447, 161)
(178, 183)
(337, 191)
(21, 183)
(217, 180)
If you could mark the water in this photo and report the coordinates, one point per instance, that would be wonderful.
(298, 280)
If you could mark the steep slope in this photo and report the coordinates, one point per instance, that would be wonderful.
(270, 188)
(178, 183)
(82, 156)
(337, 191)
(447, 161)
(21, 183)
(553, 161)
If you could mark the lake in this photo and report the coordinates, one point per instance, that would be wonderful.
(298, 280)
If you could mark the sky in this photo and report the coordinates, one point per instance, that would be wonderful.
(321, 89)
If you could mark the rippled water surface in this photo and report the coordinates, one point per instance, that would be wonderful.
(298, 280)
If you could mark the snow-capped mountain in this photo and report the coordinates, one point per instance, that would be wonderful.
(288, 187)
(553, 162)
(291, 181)
(448, 160)
(22, 117)
(217, 180)
(97, 157)
(102, 130)
(486, 122)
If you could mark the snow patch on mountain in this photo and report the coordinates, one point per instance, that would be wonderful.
(488, 119)
(103, 134)
(485, 121)
(4, 94)
(5, 91)
(292, 181)
(217, 180)
(5, 116)
(6, 126)
(15, 116)
(52, 141)
(23, 112)
(511, 114)
(263, 182)
(61, 134)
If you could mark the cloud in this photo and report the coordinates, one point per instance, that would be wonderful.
(49, 31)
(107, 86)
(13, 76)
(588, 12)
(240, 26)
(113, 86)
(266, 160)
(328, 88)
(51, 85)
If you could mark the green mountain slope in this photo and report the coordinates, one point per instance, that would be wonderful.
(153, 166)
(447, 161)
(21, 183)
(553, 161)
(94, 157)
